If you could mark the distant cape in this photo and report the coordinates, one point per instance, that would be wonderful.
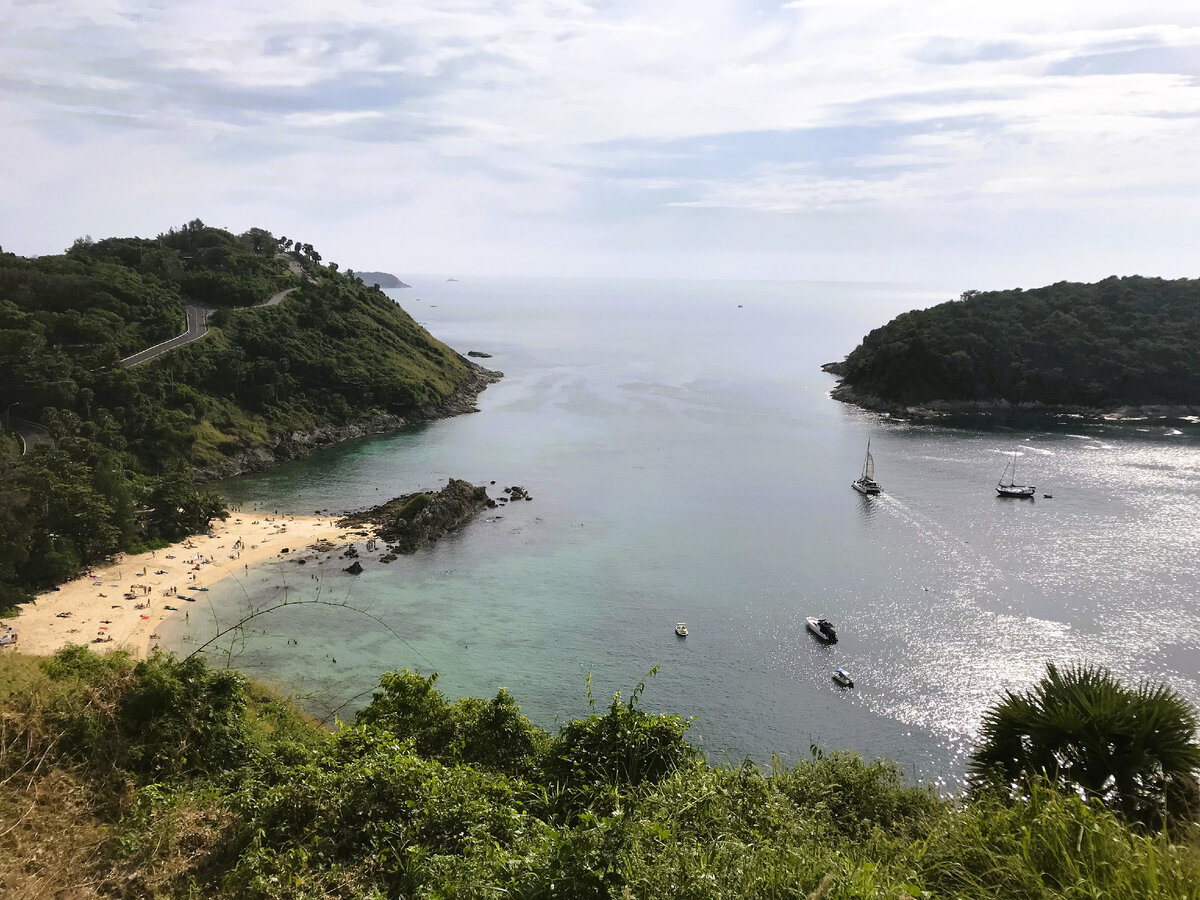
(383, 279)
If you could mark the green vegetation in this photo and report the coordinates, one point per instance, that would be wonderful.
(169, 779)
(127, 442)
(1118, 342)
(382, 279)
(1135, 749)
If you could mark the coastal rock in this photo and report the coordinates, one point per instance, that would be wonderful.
(410, 522)
(355, 568)
(1000, 408)
(479, 354)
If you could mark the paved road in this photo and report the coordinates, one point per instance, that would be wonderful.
(276, 299)
(30, 433)
(197, 327)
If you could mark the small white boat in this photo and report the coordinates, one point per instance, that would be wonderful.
(842, 677)
(822, 629)
(1010, 488)
(865, 484)
(681, 629)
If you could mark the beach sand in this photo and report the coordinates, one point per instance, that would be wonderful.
(97, 605)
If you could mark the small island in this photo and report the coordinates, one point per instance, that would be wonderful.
(1121, 346)
(382, 279)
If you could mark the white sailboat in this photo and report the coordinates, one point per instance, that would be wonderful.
(1010, 488)
(866, 484)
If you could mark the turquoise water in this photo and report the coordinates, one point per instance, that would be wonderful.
(686, 462)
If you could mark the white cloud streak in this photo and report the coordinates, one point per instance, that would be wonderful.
(523, 125)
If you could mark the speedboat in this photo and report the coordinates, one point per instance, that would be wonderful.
(822, 629)
(842, 677)
(681, 629)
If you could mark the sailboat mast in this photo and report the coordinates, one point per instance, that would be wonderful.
(1011, 464)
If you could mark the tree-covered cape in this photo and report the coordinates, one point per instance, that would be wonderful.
(124, 443)
(1121, 341)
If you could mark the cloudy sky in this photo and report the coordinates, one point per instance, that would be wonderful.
(960, 142)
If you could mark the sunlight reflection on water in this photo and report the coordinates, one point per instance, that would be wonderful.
(684, 472)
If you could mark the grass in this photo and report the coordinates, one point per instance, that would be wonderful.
(19, 673)
(285, 809)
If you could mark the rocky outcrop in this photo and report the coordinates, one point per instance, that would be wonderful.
(479, 354)
(410, 522)
(1000, 408)
(298, 444)
(835, 368)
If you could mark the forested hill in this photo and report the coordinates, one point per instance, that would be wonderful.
(382, 279)
(127, 442)
(1121, 341)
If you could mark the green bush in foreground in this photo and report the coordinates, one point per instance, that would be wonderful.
(424, 798)
(1134, 749)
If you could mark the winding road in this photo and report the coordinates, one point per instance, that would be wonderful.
(30, 433)
(197, 327)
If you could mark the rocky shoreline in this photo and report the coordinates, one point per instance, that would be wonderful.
(409, 522)
(935, 409)
(299, 444)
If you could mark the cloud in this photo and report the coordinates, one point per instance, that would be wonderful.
(523, 124)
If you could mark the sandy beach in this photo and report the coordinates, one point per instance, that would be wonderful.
(120, 605)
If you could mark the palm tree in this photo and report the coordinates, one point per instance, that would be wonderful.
(1135, 749)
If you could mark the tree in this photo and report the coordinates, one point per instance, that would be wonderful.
(1134, 749)
(179, 509)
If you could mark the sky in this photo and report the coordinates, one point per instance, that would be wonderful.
(969, 144)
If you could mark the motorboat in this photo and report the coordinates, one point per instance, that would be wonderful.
(681, 629)
(822, 629)
(865, 484)
(842, 677)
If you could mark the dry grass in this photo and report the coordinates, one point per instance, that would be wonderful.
(65, 829)
(52, 840)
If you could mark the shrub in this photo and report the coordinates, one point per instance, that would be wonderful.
(488, 733)
(624, 747)
(1134, 749)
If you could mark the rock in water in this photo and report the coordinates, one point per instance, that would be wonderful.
(410, 522)
(355, 568)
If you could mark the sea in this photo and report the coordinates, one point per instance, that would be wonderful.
(686, 463)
